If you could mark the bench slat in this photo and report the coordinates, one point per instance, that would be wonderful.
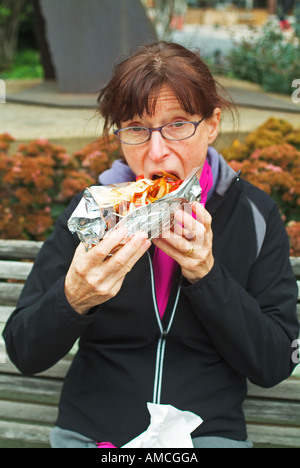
(14, 270)
(295, 262)
(274, 435)
(273, 415)
(258, 434)
(32, 433)
(5, 312)
(287, 390)
(272, 412)
(16, 249)
(30, 389)
(15, 411)
(10, 293)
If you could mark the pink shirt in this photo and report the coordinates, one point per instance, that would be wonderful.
(164, 266)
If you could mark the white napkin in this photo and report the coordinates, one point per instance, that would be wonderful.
(169, 428)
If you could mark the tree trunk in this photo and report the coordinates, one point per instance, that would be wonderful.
(167, 13)
(9, 29)
(42, 42)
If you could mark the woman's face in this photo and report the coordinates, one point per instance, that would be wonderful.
(159, 154)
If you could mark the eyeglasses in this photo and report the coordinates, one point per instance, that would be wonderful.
(175, 131)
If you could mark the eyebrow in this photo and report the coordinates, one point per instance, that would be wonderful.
(131, 122)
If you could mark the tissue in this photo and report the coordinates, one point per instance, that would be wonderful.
(169, 428)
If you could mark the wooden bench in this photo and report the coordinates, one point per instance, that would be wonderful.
(28, 405)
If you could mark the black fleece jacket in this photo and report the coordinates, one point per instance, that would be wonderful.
(238, 322)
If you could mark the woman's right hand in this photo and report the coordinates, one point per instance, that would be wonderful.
(95, 277)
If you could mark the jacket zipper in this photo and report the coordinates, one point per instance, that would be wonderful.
(160, 352)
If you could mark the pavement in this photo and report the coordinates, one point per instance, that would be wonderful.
(36, 109)
(210, 39)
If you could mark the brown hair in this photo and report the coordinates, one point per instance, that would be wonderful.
(145, 72)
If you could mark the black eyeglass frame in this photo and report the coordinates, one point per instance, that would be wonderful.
(159, 129)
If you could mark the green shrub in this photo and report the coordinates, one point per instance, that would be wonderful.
(268, 58)
(26, 64)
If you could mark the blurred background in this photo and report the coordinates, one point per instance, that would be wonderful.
(55, 55)
(45, 39)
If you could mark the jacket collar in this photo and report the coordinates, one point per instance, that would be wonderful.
(226, 177)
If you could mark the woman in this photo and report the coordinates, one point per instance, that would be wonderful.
(185, 319)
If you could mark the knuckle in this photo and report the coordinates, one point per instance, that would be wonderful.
(102, 290)
(201, 231)
(122, 266)
(208, 219)
(193, 268)
(108, 291)
(79, 270)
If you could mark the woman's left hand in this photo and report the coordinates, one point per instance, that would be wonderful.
(190, 242)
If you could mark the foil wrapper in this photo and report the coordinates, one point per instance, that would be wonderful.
(92, 220)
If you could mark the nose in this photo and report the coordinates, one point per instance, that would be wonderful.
(158, 147)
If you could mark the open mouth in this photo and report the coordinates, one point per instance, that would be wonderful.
(156, 176)
(159, 175)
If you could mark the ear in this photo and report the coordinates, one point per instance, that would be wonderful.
(213, 125)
